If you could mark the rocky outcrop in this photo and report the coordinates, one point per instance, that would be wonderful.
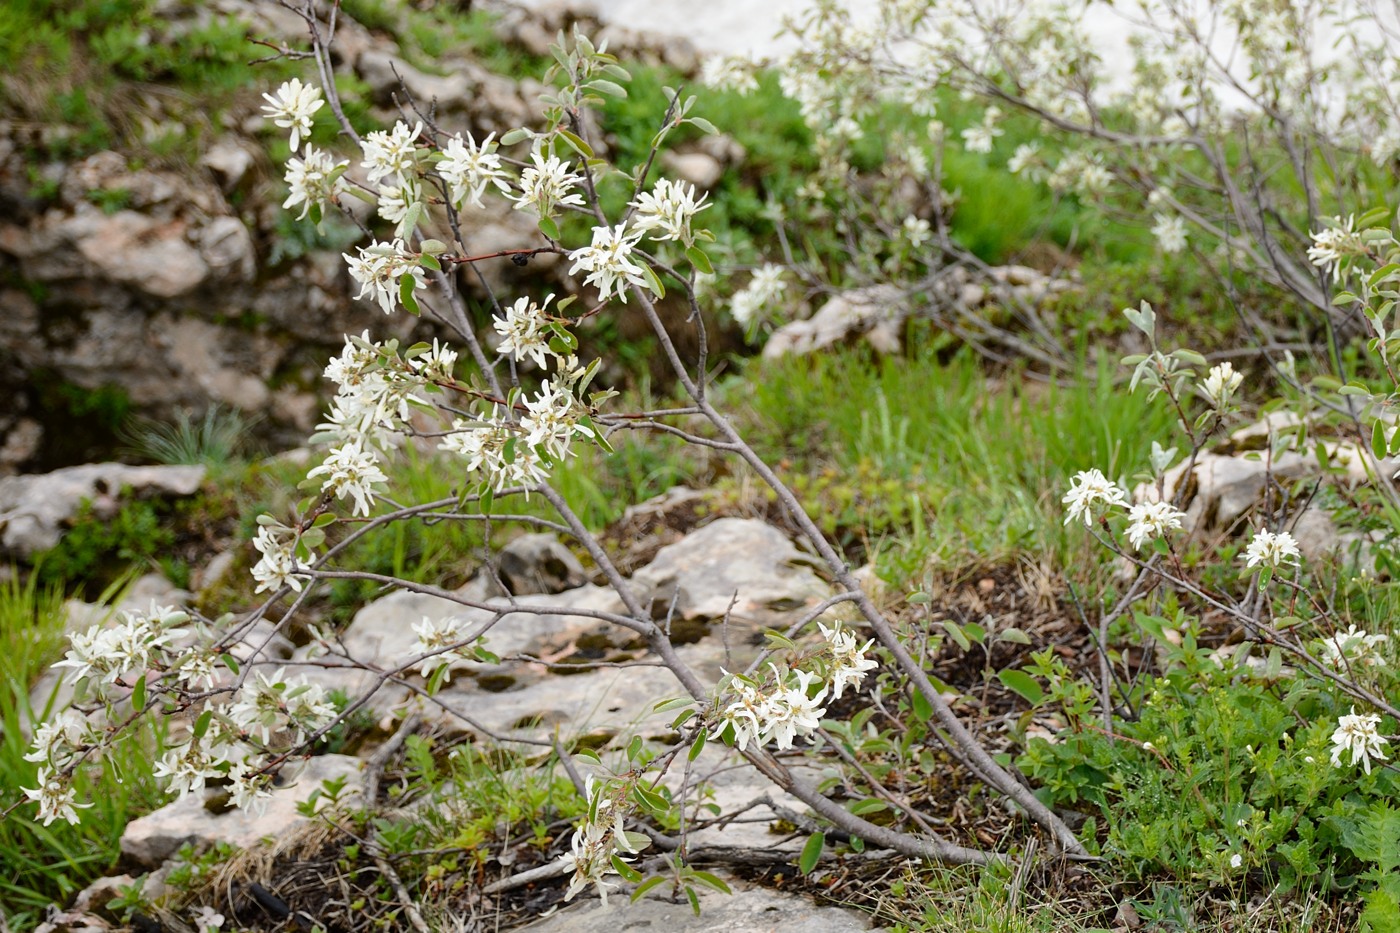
(35, 510)
(877, 314)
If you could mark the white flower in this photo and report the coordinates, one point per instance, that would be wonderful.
(746, 715)
(596, 841)
(547, 185)
(764, 288)
(1026, 161)
(728, 73)
(608, 262)
(1353, 648)
(1335, 246)
(1089, 489)
(56, 799)
(917, 231)
(468, 169)
(1271, 550)
(249, 787)
(436, 636)
(59, 739)
(1358, 735)
(1220, 385)
(293, 108)
(278, 565)
(1236, 860)
(379, 268)
(309, 179)
(1148, 521)
(792, 713)
(208, 919)
(488, 449)
(552, 420)
(666, 211)
(268, 704)
(1170, 231)
(437, 363)
(390, 152)
(351, 471)
(849, 663)
(523, 331)
(980, 138)
(395, 201)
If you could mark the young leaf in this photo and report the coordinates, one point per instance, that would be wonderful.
(811, 852)
(1023, 684)
(646, 886)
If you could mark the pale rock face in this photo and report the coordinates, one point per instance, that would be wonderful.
(34, 509)
(156, 836)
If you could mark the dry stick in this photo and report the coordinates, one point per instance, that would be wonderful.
(974, 755)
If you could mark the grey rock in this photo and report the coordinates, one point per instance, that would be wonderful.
(876, 313)
(200, 820)
(699, 168)
(748, 910)
(378, 69)
(229, 160)
(227, 247)
(35, 508)
(741, 568)
(538, 563)
(137, 250)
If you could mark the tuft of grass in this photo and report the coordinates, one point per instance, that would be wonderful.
(216, 439)
(41, 865)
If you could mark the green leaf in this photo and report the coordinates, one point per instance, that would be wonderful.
(516, 135)
(699, 260)
(955, 631)
(626, 871)
(435, 247)
(406, 283)
(711, 881)
(653, 282)
(1379, 447)
(811, 852)
(923, 709)
(691, 896)
(549, 228)
(138, 694)
(579, 146)
(646, 886)
(1014, 635)
(868, 805)
(608, 87)
(1022, 683)
(634, 748)
(201, 725)
(429, 261)
(705, 126)
(697, 746)
(665, 706)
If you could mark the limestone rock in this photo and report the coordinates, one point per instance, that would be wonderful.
(35, 508)
(743, 568)
(747, 910)
(139, 251)
(229, 160)
(699, 168)
(538, 563)
(201, 820)
(877, 313)
(378, 69)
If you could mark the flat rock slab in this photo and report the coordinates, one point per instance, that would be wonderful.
(156, 836)
(747, 910)
(35, 509)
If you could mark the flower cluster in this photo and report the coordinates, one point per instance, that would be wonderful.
(469, 169)
(137, 642)
(1353, 649)
(352, 470)
(548, 185)
(666, 211)
(765, 289)
(1270, 550)
(380, 269)
(1220, 385)
(293, 107)
(1149, 521)
(1358, 735)
(599, 839)
(777, 715)
(609, 263)
(278, 566)
(1336, 247)
(1090, 495)
(524, 331)
(439, 640)
(314, 180)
